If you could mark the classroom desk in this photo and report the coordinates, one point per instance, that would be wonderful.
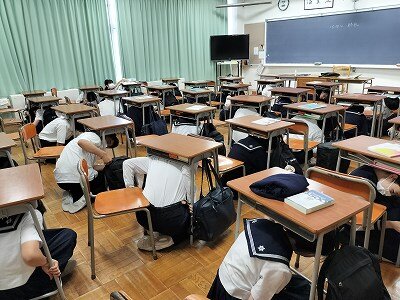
(230, 79)
(88, 88)
(186, 150)
(380, 89)
(250, 101)
(330, 110)
(21, 196)
(275, 82)
(245, 124)
(356, 149)
(396, 123)
(352, 80)
(35, 93)
(332, 86)
(370, 99)
(114, 95)
(132, 86)
(262, 76)
(235, 88)
(142, 102)
(107, 125)
(170, 80)
(192, 112)
(290, 92)
(74, 111)
(312, 226)
(5, 146)
(160, 90)
(197, 83)
(44, 101)
(289, 77)
(197, 93)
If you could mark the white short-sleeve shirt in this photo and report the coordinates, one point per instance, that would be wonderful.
(66, 170)
(57, 130)
(14, 271)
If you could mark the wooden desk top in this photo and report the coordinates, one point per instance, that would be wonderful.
(20, 185)
(71, 109)
(160, 87)
(104, 122)
(345, 206)
(33, 93)
(263, 76)
(323, 83)
(352, 79)
(196, 91)
(230, 78)
(395, 120)
(256, 99)
(131, 83)
(180, 145)
(172, 79)
(9, 110)
(384, 89)
(111, 93)
(142, 99)
(44, 99)
(320, 111)
(89, 88)
(360, 97)
(5, 141)
(269, 80)
(246, 122)
(360, 144)
(294, 76)
(235, 85)
(194, 82)
(185, 108)
(289, 90)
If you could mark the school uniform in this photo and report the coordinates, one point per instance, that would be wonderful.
(167, 184)
(66, 171)
(18, 280)
(256, 265)
(56, 132)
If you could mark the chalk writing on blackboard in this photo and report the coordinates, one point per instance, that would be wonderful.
(342, 26)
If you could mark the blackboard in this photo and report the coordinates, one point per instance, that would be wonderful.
(368, 37)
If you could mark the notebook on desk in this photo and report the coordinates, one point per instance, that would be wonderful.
(312, 106)
(265, 121)
(386, 149)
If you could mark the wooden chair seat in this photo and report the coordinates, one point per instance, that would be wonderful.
(121, 200)
(48, 152)
(196, 297)
(12, 121)
(9, 110)
(348, 127)
(216, 103)
(165, 113)
(377, 212)
(297, 144)
(13, 135)
(226, 164)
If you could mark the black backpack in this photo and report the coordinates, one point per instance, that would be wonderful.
(210, 131)
(113, 173)
(135, 113)
(282, 156)
(278, 105)
(170, 99)
(5, 163)
(327, 156)
(355, 115)
(352, 273)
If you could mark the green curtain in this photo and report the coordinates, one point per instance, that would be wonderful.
(161, 38)
(53, 43)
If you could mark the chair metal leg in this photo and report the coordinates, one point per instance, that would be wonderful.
(153, 245)
(297, 263)
(382, 238)
(91, 241)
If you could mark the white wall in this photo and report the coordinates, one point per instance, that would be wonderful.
(259, 13)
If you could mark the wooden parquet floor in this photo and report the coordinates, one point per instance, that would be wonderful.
(178, 272)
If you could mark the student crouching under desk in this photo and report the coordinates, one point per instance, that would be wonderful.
(85, 146)
(57, 132)
(167, 186)
(388, 194)
(25, 271)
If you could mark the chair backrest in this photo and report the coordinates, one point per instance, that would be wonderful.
(83, 170)
(299, 127)
(28, 132)
(346, 183)
(343, 70)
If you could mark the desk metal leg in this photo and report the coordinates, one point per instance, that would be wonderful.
(193, 168)
(393, 130)
(353, 230)
(339, 159)
(143, 115)
(73, 125)
(230, 134)
(317, 258)
(197, 124)
(238, 216)
(45, 247)
(128, 143)
(374, 119)
(269, 151)
(8, 153)
(323, 129)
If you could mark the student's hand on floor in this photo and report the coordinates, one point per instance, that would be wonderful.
(54, 271)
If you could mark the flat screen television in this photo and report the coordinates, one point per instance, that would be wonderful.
(229, 47)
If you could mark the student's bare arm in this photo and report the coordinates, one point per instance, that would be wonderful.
(91, 148)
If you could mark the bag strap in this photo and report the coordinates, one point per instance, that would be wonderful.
(216, 176)
(322, 275)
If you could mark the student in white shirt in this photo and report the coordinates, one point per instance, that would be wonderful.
(256, 267)
(57, 132)
(86, 146)
(25, 272)
(167, 188)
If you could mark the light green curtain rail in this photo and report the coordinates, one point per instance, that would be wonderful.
(53, 43)
(161, 38)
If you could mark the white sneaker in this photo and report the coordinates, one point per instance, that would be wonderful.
(67, 200)
(77, 205)
(161, 242)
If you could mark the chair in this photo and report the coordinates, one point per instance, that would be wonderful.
(301, 127)
(343, 70)
(196, 297)
(28, 132)
(111, 203)
(301, 82)
(357, 186)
